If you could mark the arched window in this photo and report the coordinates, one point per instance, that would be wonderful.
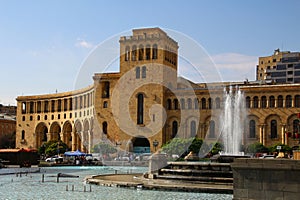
(52, 105)
(174, 128)
(175, 104)
(31, 107)
(252, 130)
(46, 106)
(154, 51)
(134, 53)
(105, 104)
(255, 102)
(140, 109)
(218, 103)
(24, 108)
(212, 129)
(59, 105)
(248, 100)
(193, 128)
(263, 103)
(272, 102)
(66, 104)
(39, 107)
(196, 103)
(104, 127)
(127, 50)
(189, 103)
(141, 52)
(23, 135)
(148, 51)
(273, 129)
(297, 101)
(295, 126)
(182, 104)
(169, 104)
(288, 101)
(137, 72)
(144, 69)
(280, 101)
(209, 103)
(105, 90)
(45, 138)
(203, 103)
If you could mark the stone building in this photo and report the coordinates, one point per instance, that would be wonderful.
(145, 105)
(7, 124)
(281, 67)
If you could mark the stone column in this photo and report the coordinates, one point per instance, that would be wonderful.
(264, 134)
(283, 136)
(89, 141)
(73, 141)
(261, 134)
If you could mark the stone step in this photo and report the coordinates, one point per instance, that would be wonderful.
(195, 171)
(224, 180)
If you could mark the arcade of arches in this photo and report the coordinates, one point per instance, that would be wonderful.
(78, 136)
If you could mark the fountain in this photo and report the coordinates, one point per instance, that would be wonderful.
(232, 120)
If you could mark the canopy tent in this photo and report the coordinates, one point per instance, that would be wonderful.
(74, 153)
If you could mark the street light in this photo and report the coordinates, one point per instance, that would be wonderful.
(155, 144)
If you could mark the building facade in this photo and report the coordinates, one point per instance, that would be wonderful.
(7, 125)
(281, 67)
(145, 105)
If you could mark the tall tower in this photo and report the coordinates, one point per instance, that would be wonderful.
(146, 46)
(148, 63)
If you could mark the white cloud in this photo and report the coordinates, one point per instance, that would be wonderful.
(235, 67)
(84, 44)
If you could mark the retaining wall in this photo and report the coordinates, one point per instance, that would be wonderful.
(266, 179)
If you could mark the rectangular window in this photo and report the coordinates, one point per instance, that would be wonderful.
(144, 72)
(137, 72)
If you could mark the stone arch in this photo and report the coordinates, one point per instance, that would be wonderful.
(272, 129)
(140, 144)
(67, 134)
(249, 127)
(171, 131)
(127, 53)
(41, 134)
(211, 129)
(77, 136)
(86, 136)
(192, 127)
(55, 131)
(290, 123)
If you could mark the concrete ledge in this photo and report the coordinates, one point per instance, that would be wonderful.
(139, 181)
(266, 179)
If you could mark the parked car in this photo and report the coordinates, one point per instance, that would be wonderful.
(54, 159)
(143, 157)
(267, 157)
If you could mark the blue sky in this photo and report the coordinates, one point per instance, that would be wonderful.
(43, 43)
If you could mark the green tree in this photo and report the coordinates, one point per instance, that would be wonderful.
(53, 147)
(196, 145)
(284, 148)
(217, 147)
(104, 148)
(177, 146)
(256, 148)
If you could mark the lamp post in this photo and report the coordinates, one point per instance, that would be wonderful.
(155, 144)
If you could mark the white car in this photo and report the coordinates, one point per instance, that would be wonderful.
(54, 159)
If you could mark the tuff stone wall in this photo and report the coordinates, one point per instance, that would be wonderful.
(266, 179)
